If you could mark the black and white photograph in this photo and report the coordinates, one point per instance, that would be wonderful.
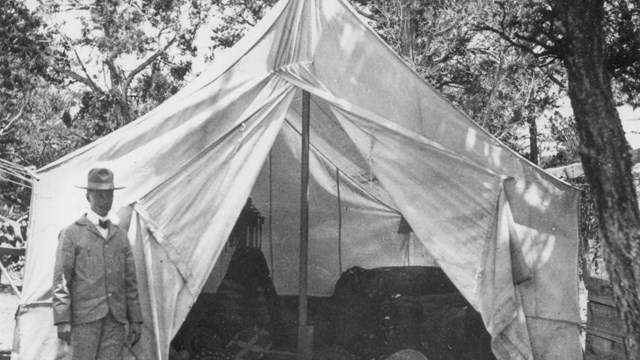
(319, 180)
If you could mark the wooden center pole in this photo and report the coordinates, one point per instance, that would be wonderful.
(305, 333)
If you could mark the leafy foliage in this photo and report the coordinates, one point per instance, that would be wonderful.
(22, 37)
(623, 37)
(13, 234)
(562, 141)
(26, 97)
(236, 16)
(76, 70)
(118, 48)
(534, 28)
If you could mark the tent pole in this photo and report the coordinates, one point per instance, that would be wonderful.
(339, 221)
(305, 333)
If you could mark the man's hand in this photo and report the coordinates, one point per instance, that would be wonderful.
(64, 332)
(134, 333)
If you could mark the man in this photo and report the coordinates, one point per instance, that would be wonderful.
(94, 285)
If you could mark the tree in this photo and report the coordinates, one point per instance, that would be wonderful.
(236, 17)
(124, 57)
(622, 38)
(605, 155)
(598, 42)
(27, 94)
(77, 70)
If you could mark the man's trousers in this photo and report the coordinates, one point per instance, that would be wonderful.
(98, 340)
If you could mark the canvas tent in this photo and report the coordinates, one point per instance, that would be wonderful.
(384, 144)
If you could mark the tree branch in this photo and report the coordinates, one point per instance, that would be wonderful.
(69, 73)
(146, 63)
(16, 117)
(12, 153)
(116, 78)
(364, 14)
(94, 86)
(500, 73)
(76, 133)
(445, 30)
(245, 20)
(555, 80)
(507, 38)
(6, 127)
(551, 49)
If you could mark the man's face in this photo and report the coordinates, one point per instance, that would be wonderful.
(100, 201)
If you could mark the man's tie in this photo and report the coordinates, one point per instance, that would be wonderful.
(103, 224)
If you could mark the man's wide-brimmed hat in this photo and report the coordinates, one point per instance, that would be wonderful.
(100, 179)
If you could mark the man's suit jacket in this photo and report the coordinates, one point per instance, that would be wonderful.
(94, 275)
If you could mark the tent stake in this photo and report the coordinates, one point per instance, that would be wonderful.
(305, 333)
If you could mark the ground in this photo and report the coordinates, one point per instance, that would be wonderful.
(8, 305)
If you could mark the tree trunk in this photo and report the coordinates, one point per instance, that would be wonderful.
(123, 103)
(533, 140)
(407, 28)
(606, 157)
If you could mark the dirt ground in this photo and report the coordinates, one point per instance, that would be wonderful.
(8, 305)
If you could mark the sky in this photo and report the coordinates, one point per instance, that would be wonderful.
(631, 123)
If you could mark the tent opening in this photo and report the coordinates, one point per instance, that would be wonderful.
(359, 305)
